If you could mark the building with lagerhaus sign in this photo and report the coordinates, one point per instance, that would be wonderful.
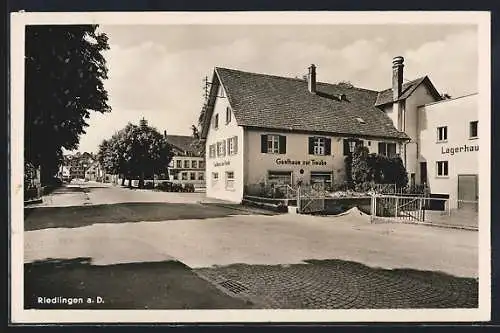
(261, 128)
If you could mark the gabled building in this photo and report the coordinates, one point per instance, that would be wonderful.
(261, 128)
(188, 162)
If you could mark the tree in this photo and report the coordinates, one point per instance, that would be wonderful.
(136, 152)
(65, 70)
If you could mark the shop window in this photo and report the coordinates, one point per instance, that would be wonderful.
(387, 149)
(201, 176)
(192, 176)
(442, 168)
(194, 164)
(179, 164)
(319, 146)
(228, 115)
(184, 176)
(442, 133)
(321, 179)
(473, 129)
(273, 144)
(229, 180)
(279, 177)
(186, 164)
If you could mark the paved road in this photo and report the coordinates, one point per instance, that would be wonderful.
(264, 255)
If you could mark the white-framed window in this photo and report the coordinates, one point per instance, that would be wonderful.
(211, 151)
(387, 149)
(442, 133)
(232, 145)
(221, 149)
(201, 165)
(228, 115)
(273, 144)
(184, 175)
(215, 177)
(186, 164)
(201, 175)
(473, 134)
(194, 164)
(442, 168)
(192, 175)
(229, 180)
(319, 146)
(179, 164)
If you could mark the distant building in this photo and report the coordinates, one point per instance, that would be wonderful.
(188, 163)
(78, 164)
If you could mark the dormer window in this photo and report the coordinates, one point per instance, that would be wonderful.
(360, 120)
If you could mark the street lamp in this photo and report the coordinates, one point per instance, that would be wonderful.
(352, 145)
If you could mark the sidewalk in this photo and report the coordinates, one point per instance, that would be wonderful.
(65, 196)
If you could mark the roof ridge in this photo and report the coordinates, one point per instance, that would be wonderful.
(292, 78)
(409, 82)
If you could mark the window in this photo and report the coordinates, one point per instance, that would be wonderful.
(216, 121)
(319, 146)
(184, 176)
(186, 164)
(473, 129)
(350, 144)
(211, 151)
(279, 177)
(229, 180)
(369, 143)
(232, 145)
(221, 149)
(194, 164)
(192, 175)
(220, 93)
(387, 149)
(175, 176)
(228, 115)
(201, 164)
(179, 164)
(274, 144)
(442, 168)
(215, 177)
(201, 176)
(442, 133)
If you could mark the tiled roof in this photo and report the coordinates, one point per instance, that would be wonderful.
(274, 102)
(184, 143)
(385, 96)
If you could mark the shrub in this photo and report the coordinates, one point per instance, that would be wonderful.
(149, 185)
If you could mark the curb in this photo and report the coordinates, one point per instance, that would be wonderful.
(429, 224)
(33, 202)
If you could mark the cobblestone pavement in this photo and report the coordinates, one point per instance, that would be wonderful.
(337, 284)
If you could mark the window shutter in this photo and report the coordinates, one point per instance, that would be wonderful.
(311, 145)
(223, 143)
(328, 146)
(282, 144)
(263, 143)
(235, 144)
(346, 147)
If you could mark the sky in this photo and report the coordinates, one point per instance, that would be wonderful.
(157, 71)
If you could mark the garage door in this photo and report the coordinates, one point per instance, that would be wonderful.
(468, 191)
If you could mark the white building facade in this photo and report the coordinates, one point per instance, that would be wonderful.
(267, 129)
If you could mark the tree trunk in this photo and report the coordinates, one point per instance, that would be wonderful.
(141, 180)
(123, 180)
(129, 183)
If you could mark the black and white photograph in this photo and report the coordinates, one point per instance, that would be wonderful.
(257, 165)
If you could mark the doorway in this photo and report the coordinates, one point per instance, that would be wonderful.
(468, 192)
(423, 173)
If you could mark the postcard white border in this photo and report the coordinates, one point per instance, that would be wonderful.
(21, 19)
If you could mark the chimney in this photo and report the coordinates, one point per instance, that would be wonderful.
(165, 134)
(311, 79)
(397, 77)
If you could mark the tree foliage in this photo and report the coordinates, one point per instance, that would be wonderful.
(363, 169)
(136, 151)
(65, 69)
